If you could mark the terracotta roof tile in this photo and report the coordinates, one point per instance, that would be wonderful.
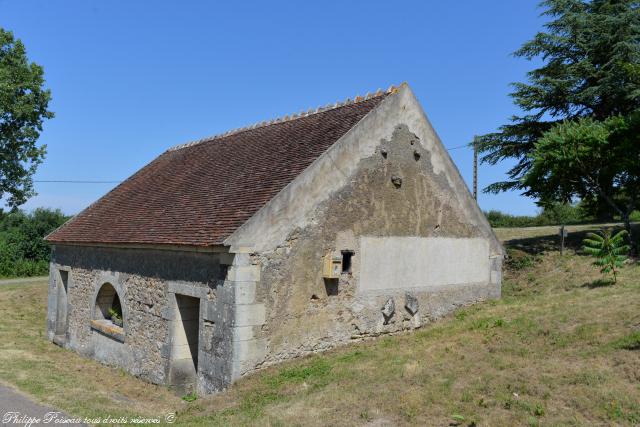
(199, 193)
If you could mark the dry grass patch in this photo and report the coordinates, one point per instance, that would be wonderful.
(510, 234)
(61, 378)
(554, 356)
(558, 349)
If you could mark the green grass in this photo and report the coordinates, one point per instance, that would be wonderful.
(629, 342)
(562, 347)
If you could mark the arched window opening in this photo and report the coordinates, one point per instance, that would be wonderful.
(108, 306)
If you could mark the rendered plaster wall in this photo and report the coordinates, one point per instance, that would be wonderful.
(147, 282)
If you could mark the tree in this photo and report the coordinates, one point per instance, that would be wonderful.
(23, 250)
(591, 68)
(570, 160)
(610, 251)
(23, 108)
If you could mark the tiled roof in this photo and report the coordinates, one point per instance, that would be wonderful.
(199, 193)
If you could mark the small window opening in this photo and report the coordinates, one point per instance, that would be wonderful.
(64, 278)
(115, 312)
(107, 313)
(331, 286)
(108, 305)
(346, 261)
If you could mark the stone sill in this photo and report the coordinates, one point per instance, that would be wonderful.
(108, 328)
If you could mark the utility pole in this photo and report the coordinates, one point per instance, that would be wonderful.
(475, 168)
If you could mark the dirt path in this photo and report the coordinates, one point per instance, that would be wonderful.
(19, 409)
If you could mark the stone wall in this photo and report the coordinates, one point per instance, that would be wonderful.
(146, 281)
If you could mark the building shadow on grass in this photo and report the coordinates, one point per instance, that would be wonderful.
(573, 241)
(599, 283)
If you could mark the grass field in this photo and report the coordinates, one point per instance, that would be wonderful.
(562, 347)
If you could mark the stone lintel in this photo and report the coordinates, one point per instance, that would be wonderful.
(187, 288)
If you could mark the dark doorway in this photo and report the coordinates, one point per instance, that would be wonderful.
(184, 344)
(61, 302)
(189, 310)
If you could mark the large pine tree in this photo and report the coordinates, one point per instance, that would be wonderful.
(590, 51)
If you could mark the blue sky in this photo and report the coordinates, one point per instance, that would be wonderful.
(130, 78)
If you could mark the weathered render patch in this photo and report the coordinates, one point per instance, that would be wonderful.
(422, 262)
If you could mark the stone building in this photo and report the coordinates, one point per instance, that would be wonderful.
(270, 242)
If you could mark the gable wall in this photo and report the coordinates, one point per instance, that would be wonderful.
(422, 241)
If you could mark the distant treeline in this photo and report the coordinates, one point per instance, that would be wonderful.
(555, 215)
(23, 251)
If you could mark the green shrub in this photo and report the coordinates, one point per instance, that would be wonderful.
(562, 213)
(31, 267)
(23, 250)
(500, 219)
(610, 251)
(191, 397)
(629, 342)
(519, 260)
(556, 214)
